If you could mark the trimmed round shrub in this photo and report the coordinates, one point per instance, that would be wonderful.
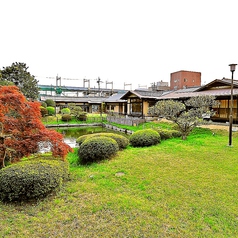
(144, 138)
(82, 138)
(121, 140)
(65, 111)
(168, 134)
(32, 179)
(43, 111)
(43, 104)
(165, 134)
(97, 148)
(51, 111)
(176, 133)
(66, 117)
(50, 103)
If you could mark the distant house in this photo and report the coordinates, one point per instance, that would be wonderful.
(116, 105)
(138, 101)
(88, 104)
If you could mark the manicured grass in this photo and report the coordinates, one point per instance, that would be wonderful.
(174, 189)
(91, 118)
(146, 125)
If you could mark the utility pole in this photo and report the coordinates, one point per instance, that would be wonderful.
(98, 82)
(127, 84)
(58, 79)
(111, 84)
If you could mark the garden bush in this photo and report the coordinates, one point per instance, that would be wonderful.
(66, 117)
(43, 111)
(168, 134)
(145, 137)
(43, 104)
(32, 179)
(165, 134)
(50, 103)
(176, 133)
(65, 111)
(121, 140)
(97, 148)
(51, 111)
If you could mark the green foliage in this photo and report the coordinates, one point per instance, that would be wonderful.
(186, 115)
(168, 134)
(32, 179)
(43, 111)
(121, 140)
(176, 133)
(51, 111)
(65, 111)
(18, 74)
(5, 83)
(82, 138)
(145, 137)
(96, 149)
(165, 134)
(82, 116)
(43, 104)
(66, 117)
(77, 112)
(50, 103)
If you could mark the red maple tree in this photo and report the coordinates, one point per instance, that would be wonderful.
(21, 129)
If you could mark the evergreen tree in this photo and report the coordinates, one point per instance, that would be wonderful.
(18, 74)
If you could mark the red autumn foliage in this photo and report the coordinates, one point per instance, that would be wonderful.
(21, 128)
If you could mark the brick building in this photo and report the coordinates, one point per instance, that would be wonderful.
(184, 79)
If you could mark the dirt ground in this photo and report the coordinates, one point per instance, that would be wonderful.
(216, 127)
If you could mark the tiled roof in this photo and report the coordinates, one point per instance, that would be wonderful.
(91, 100)
(143, 94)
(216, 92)
(115, 98)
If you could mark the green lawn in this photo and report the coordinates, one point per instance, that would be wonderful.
(175, 189)
(91, 118)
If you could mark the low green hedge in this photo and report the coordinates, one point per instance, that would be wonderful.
(146, 137)
(66, 117)
(121, 140)
(32, 179)
(168, 134)
(96, 148)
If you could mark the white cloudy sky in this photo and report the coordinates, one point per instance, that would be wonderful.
(124, 41)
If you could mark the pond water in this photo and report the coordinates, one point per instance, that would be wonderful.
(71, 134)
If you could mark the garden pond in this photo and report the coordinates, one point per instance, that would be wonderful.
(71, 133)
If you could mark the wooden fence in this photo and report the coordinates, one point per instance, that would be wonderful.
(130, 121)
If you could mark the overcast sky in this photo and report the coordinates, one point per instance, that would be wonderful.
(125, 41)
